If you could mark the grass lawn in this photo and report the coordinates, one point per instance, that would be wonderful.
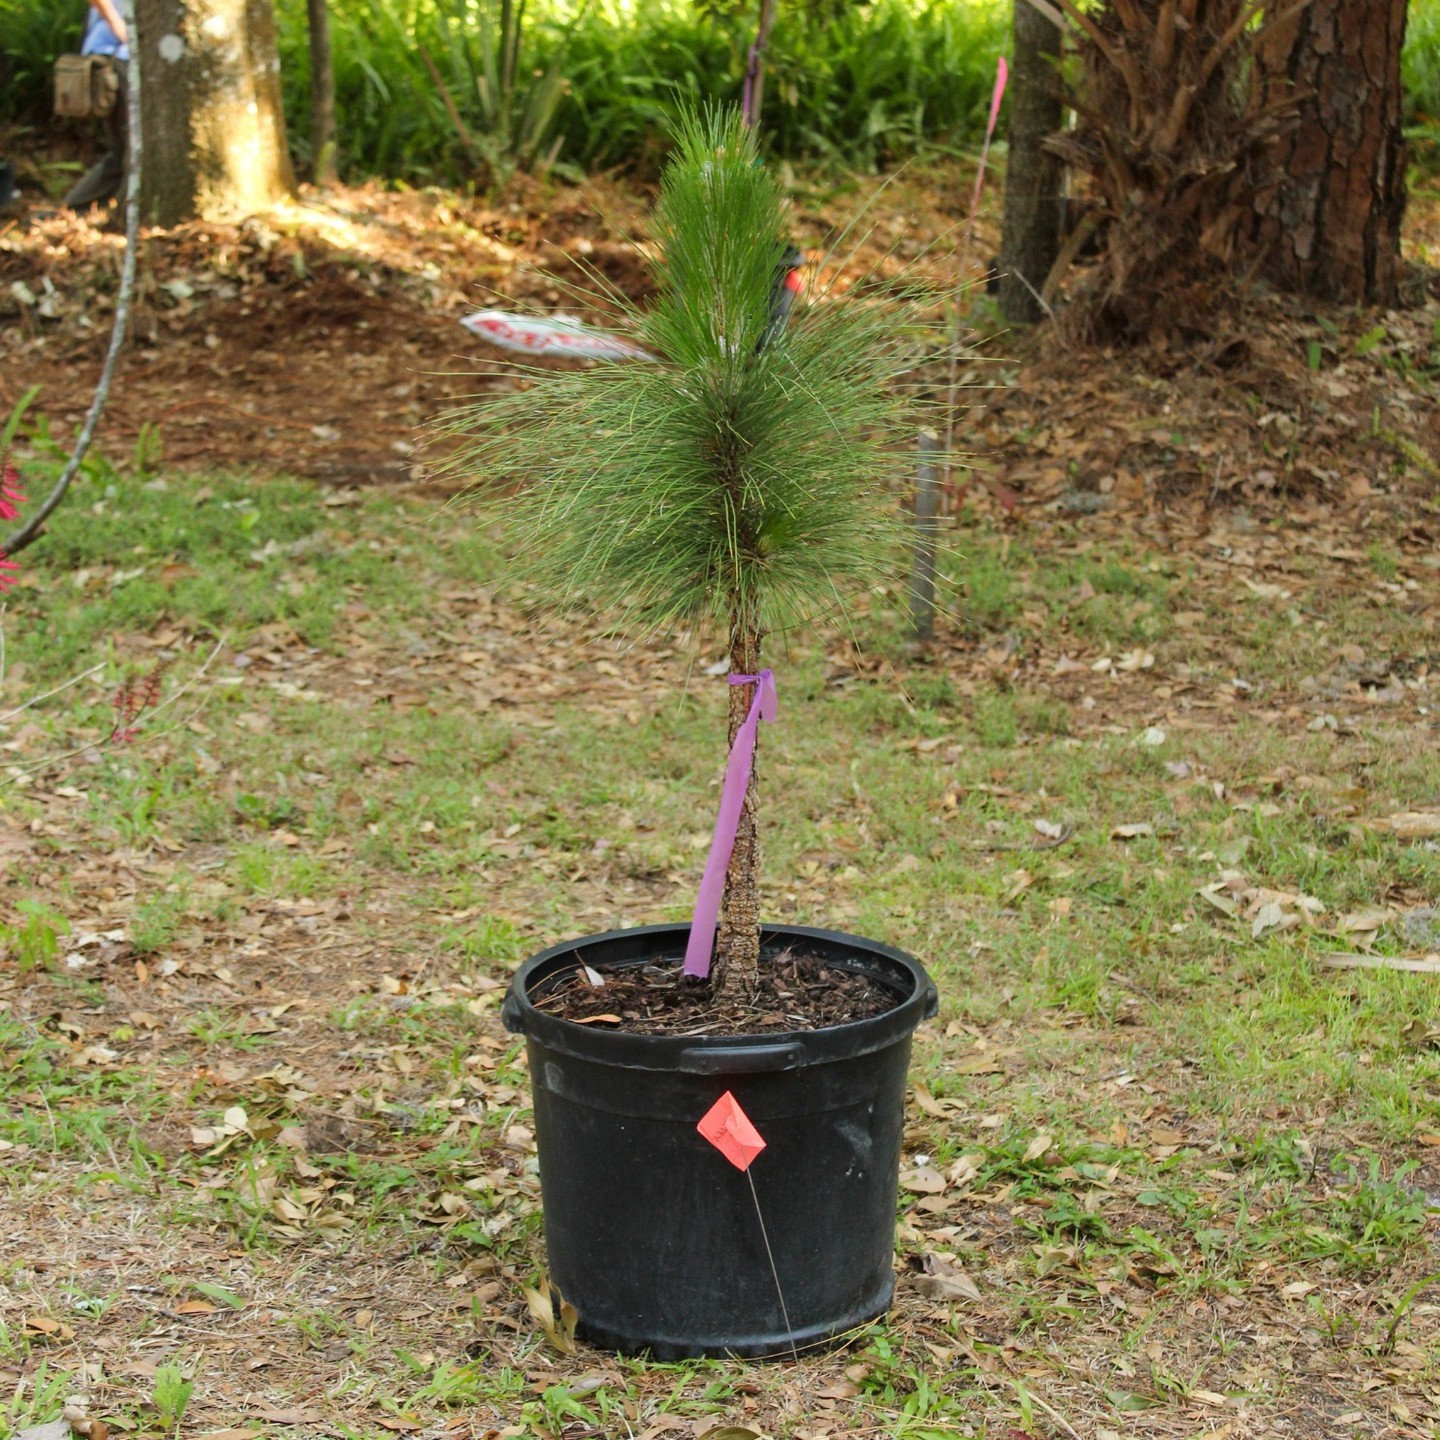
(265, 1160)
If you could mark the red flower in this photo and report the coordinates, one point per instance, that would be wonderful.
(11, 495)
(7, 581)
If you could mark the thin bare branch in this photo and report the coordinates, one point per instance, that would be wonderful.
(46, 694)
(1054, 16)
(34, 527)
(448, 100)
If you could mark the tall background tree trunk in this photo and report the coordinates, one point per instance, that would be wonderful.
(212, 119)
(322, 94)
(1331, 226)
(1034, 176)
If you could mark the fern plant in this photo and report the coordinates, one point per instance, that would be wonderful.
(742, 479)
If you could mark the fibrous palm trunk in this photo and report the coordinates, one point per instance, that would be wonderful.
(1176, 139)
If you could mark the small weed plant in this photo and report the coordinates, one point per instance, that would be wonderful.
(171, 1394)
(32, 941)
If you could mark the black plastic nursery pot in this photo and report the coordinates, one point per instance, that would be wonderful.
(652, 1235)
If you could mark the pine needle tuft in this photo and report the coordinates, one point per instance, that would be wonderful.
(751, 469)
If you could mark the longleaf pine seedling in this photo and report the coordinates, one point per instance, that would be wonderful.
(744, 478)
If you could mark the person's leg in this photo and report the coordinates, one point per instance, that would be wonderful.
(104, 180)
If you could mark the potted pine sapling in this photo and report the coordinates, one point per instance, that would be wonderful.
(740, 477)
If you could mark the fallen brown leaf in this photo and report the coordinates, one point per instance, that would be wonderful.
(558, 1322)
(1411, 824)
(1419, 964)
(939, 1280)
(979, 1065)
(923, 1180)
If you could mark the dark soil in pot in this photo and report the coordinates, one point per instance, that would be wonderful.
(798, 990)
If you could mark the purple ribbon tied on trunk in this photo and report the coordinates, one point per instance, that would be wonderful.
(732, 801)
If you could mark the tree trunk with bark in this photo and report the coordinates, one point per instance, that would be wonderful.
(1329, 226)
(322, 94)
(736, 966)
(1034, 175)
(211, 117)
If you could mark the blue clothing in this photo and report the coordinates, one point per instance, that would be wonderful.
(100, 39)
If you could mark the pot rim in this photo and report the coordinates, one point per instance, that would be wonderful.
(720, 1054)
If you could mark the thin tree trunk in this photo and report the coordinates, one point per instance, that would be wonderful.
(755, 64)
(1330, 226)
(167, 193)
(509, 38)
(736, 968)
(1033, 175)
(212, 115)
(322, 94)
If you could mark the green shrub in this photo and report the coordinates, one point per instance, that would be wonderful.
(862, 83)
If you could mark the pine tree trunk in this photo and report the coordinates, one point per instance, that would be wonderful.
(735, 971)
(1033, 175)
(212, 120)
(1331, 226)
(322, 94)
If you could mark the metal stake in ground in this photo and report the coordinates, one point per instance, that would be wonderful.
(770, 1256)
(922, 579)
(728, 1128)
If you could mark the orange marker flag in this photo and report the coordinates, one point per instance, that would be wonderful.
(727, 1127)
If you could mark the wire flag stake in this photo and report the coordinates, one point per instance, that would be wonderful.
(729, 1129)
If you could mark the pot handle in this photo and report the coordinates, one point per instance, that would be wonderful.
(510, 1016)
(932, 1001)
(699, 1060)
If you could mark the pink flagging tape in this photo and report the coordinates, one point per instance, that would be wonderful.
(1002, 74)
(732, 800)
